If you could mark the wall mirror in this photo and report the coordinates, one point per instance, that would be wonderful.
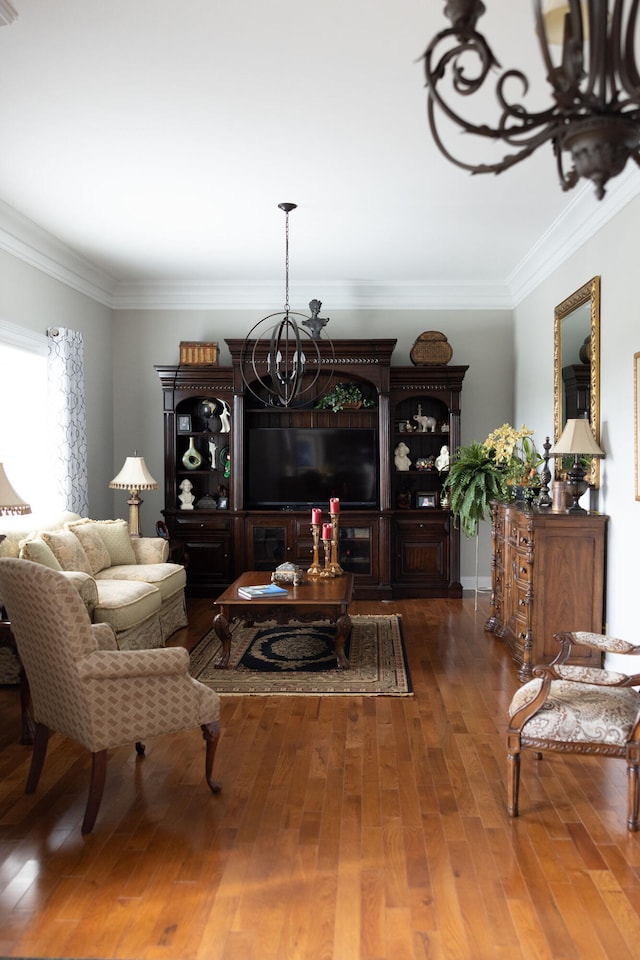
(576, 357)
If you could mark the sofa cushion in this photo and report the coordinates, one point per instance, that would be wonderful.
(36, 550)
(67, 550)
(169, 578)
(125, 603)
(117, 539)
(88, 534)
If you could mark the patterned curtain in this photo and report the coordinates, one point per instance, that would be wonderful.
(68, 417)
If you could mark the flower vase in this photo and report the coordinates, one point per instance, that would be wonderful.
(191, 459)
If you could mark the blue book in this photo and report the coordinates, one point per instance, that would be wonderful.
(261, 590)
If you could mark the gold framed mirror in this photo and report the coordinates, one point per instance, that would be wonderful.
(576, 364)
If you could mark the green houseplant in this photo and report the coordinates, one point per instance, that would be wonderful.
(474, 480)
(343, 395)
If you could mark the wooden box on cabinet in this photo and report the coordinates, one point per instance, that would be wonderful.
(547, 575)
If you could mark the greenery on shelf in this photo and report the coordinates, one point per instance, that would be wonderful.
(343, 395)
(474, 481)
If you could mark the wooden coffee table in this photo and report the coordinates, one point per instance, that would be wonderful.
(323, 599)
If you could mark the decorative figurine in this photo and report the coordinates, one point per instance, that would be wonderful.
(212, 451)
(315, 323)
(442, 461)
(186, 497)
(401, 457)
(225, 416)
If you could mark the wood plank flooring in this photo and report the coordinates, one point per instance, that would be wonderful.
(348, 829)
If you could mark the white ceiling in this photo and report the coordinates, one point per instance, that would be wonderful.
(156, 139)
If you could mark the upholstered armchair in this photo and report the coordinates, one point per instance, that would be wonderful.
(84, 687)
(572, 709)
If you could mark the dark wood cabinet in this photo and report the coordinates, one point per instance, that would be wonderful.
(425, 544)
(392, 550)
(548, 576)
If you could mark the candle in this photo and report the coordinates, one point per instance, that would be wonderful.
(326, 531)
(316, 515)
(334, 505)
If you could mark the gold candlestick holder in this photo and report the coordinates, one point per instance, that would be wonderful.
(335, 565)
(315, 570)
(327, 572)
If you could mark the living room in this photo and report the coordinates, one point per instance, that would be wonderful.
(507, 340)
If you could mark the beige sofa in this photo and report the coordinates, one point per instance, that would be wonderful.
(124, 581)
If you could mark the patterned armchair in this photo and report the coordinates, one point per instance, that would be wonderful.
(574, 709)
(84, 687)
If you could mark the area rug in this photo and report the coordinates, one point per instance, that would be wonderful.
(300, 658)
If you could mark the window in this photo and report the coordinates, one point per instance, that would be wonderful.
(25, 435)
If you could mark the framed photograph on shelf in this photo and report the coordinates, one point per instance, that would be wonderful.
(184, 423)
(636, 419)
(429, 500)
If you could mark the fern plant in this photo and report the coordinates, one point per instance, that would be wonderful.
(474, 481)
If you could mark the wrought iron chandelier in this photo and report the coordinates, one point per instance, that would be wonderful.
(273, 363)
(595, 116)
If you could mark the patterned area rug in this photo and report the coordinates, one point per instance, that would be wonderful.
(300, 658)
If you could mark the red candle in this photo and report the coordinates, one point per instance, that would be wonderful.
(316, 515)
(326, 531)
(334, 505)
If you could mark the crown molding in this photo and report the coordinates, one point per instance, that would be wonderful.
(335, 294)
(579, 221)
(31, 244)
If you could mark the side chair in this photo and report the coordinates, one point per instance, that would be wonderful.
(85, 688)
(572, 709)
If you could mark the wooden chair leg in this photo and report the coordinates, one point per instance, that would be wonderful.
(633, 798)
(40, 742)
(513, 777)
(140, 748)
(211, 734)
(96, 789)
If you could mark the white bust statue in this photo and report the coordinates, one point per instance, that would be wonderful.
(186, 497)
(442, 460)
(401, 457)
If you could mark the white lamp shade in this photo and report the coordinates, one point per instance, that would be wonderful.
(577, 439)
(10, 502)
(134, 476)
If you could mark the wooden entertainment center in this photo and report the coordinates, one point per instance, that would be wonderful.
(403, 544)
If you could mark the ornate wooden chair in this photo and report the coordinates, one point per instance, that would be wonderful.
(573, 709)
(84, 687)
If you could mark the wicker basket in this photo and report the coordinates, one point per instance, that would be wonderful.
(431, 349)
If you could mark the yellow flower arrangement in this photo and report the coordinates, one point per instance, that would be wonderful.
(515, 453)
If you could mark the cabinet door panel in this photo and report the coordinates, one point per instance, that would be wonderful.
(208, 562)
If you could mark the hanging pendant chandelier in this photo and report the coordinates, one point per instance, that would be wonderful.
(595, 87)
(274, 365)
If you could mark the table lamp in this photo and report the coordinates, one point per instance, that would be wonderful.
(577, 441)
(11, 503)
(134, 477)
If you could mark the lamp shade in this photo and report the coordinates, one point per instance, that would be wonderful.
(10, 502)
(554, 13)
(577, 440)
(134, 476)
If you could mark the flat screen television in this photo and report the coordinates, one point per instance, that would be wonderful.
(289, 468)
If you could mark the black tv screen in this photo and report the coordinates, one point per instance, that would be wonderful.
(299, 467)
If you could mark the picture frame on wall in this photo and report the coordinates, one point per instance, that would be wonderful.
(428, 500)
(636, 420)
(184, 423)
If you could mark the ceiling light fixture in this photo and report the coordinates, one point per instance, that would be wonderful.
(595, 116)
(276, 370)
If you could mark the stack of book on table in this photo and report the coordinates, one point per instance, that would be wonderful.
(261, 590)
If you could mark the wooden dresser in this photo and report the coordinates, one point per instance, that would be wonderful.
(547, 576)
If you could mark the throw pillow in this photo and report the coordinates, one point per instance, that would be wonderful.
(94, 546)
(36, 549)
(67, 550)
(117, 540)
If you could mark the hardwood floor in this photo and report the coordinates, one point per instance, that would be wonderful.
(348, 829)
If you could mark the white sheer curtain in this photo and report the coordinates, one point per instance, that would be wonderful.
(67, 415)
